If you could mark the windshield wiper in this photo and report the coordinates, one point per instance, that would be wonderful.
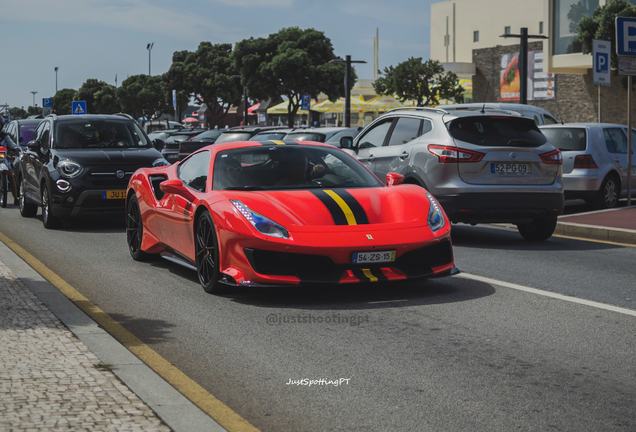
(247, 188)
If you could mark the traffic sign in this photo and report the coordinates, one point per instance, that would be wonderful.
(79, 107)
(46, 102)
(305, 102)
(601, 51)
(174, 99)
(625, 36)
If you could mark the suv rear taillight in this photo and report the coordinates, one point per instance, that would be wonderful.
(553, 157)
(448, 154)
(584, 161)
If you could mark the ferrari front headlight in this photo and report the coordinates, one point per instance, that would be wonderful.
(261, 223)
(435, 214)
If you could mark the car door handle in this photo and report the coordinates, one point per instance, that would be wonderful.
(617, 160)
(371, 158)
(404, 155)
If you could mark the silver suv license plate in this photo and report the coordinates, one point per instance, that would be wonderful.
(508, 168)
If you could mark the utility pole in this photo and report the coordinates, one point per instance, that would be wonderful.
(56, 68)
(348, 62)
(523, 60)
(149, 48)
(34, 93)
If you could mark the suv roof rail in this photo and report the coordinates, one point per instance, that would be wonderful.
(419, 109)
(124, 115)
(53, 116)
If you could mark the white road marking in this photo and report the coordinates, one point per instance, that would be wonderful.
(549, 294)
(387, 301)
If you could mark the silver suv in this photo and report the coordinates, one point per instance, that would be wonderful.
(483, 167)
(594, 160)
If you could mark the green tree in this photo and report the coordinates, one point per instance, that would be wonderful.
(63, 101)
(99, 96)
(141, 95)
(424, 82)
(18, 113)
(291, 62)
(602, 25)
(34, 110)
(206, 76)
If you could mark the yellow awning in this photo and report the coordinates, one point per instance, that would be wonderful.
(384, 103)
(357, 105)
(281, 108)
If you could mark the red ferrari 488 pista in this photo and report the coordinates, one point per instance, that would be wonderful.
(284, 213)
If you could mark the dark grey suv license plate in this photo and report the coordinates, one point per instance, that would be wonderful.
(508, 168)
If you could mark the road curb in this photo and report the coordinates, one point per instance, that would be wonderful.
(595, 232)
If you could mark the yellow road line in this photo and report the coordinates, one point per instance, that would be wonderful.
(368, 274)
(216, 409)
(351, 220)
(593, 240)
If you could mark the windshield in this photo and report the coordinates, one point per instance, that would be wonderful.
(26, 132)
(269, 136)
(289, 167)
(210, 135)
(233, 136)
(497, 131)
(88, 134)
(567, 139)
(305, 136)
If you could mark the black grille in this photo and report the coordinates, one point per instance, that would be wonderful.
(318, 268)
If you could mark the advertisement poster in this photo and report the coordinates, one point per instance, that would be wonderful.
(541, 86)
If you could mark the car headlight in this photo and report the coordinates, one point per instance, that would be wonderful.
(435, 215)
(69, 168)
(260, 222)
(160, 163)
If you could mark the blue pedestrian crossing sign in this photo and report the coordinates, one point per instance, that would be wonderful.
(46, 102)
(79, 107)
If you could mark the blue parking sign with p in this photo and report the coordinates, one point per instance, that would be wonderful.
(625, 36)
(305, 103)
(601, 55)
(602, 62)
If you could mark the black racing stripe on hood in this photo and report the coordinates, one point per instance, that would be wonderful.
(337, 214)
(354, 205)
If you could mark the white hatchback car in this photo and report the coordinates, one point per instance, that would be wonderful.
(594, 160)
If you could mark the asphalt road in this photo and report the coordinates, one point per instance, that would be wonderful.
(452, 354)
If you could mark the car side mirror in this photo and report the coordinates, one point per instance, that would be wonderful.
(158, 143)
(346, 142)
(394, 179)
(34, 145)
(176, 187)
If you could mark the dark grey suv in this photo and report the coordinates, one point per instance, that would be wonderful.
(483, 167)
(81, 164)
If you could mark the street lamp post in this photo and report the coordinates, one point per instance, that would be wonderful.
(34, 93)
(56, 68)
(348, 62)
(523, 60)
(149, 48)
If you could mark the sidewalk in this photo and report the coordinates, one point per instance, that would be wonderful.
(60, 371)
(615, 225)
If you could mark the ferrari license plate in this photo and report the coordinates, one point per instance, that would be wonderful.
(115, 194)
(373, 257)
(510, 168)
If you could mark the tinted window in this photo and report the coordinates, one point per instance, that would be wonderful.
(193, 172)
(269, 136)
(375, 137)
(91, 134)
(210, 135)
(233, 136)
(406, 130)
(549, 120)
(289, 167)
(46, 136)
(304, 136)
(567, 139)
(615, 140)
(26, 132)
(497, 131)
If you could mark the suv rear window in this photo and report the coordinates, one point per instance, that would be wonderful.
(497, 131)
(567, 139)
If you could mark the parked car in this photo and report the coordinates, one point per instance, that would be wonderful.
(81, 164)
(539, 115)
(276, 134)
(154, 125)
(339, 226)
(320, 134)
(482, 167)
(347, 132)
(594, 161)
(198, 141)
(171, 149)
(243, 133)
(162, 134)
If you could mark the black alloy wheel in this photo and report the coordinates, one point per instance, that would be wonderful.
(135, 230)
(4, 186)
(27, 209)
(207, 254)
(49, 221)
(538, 230)
(608, 194)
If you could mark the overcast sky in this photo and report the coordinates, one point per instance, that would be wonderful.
(103, 38)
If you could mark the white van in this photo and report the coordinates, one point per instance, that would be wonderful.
(539, 115)
(154, 125)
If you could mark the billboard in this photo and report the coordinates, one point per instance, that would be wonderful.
(541, 86)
